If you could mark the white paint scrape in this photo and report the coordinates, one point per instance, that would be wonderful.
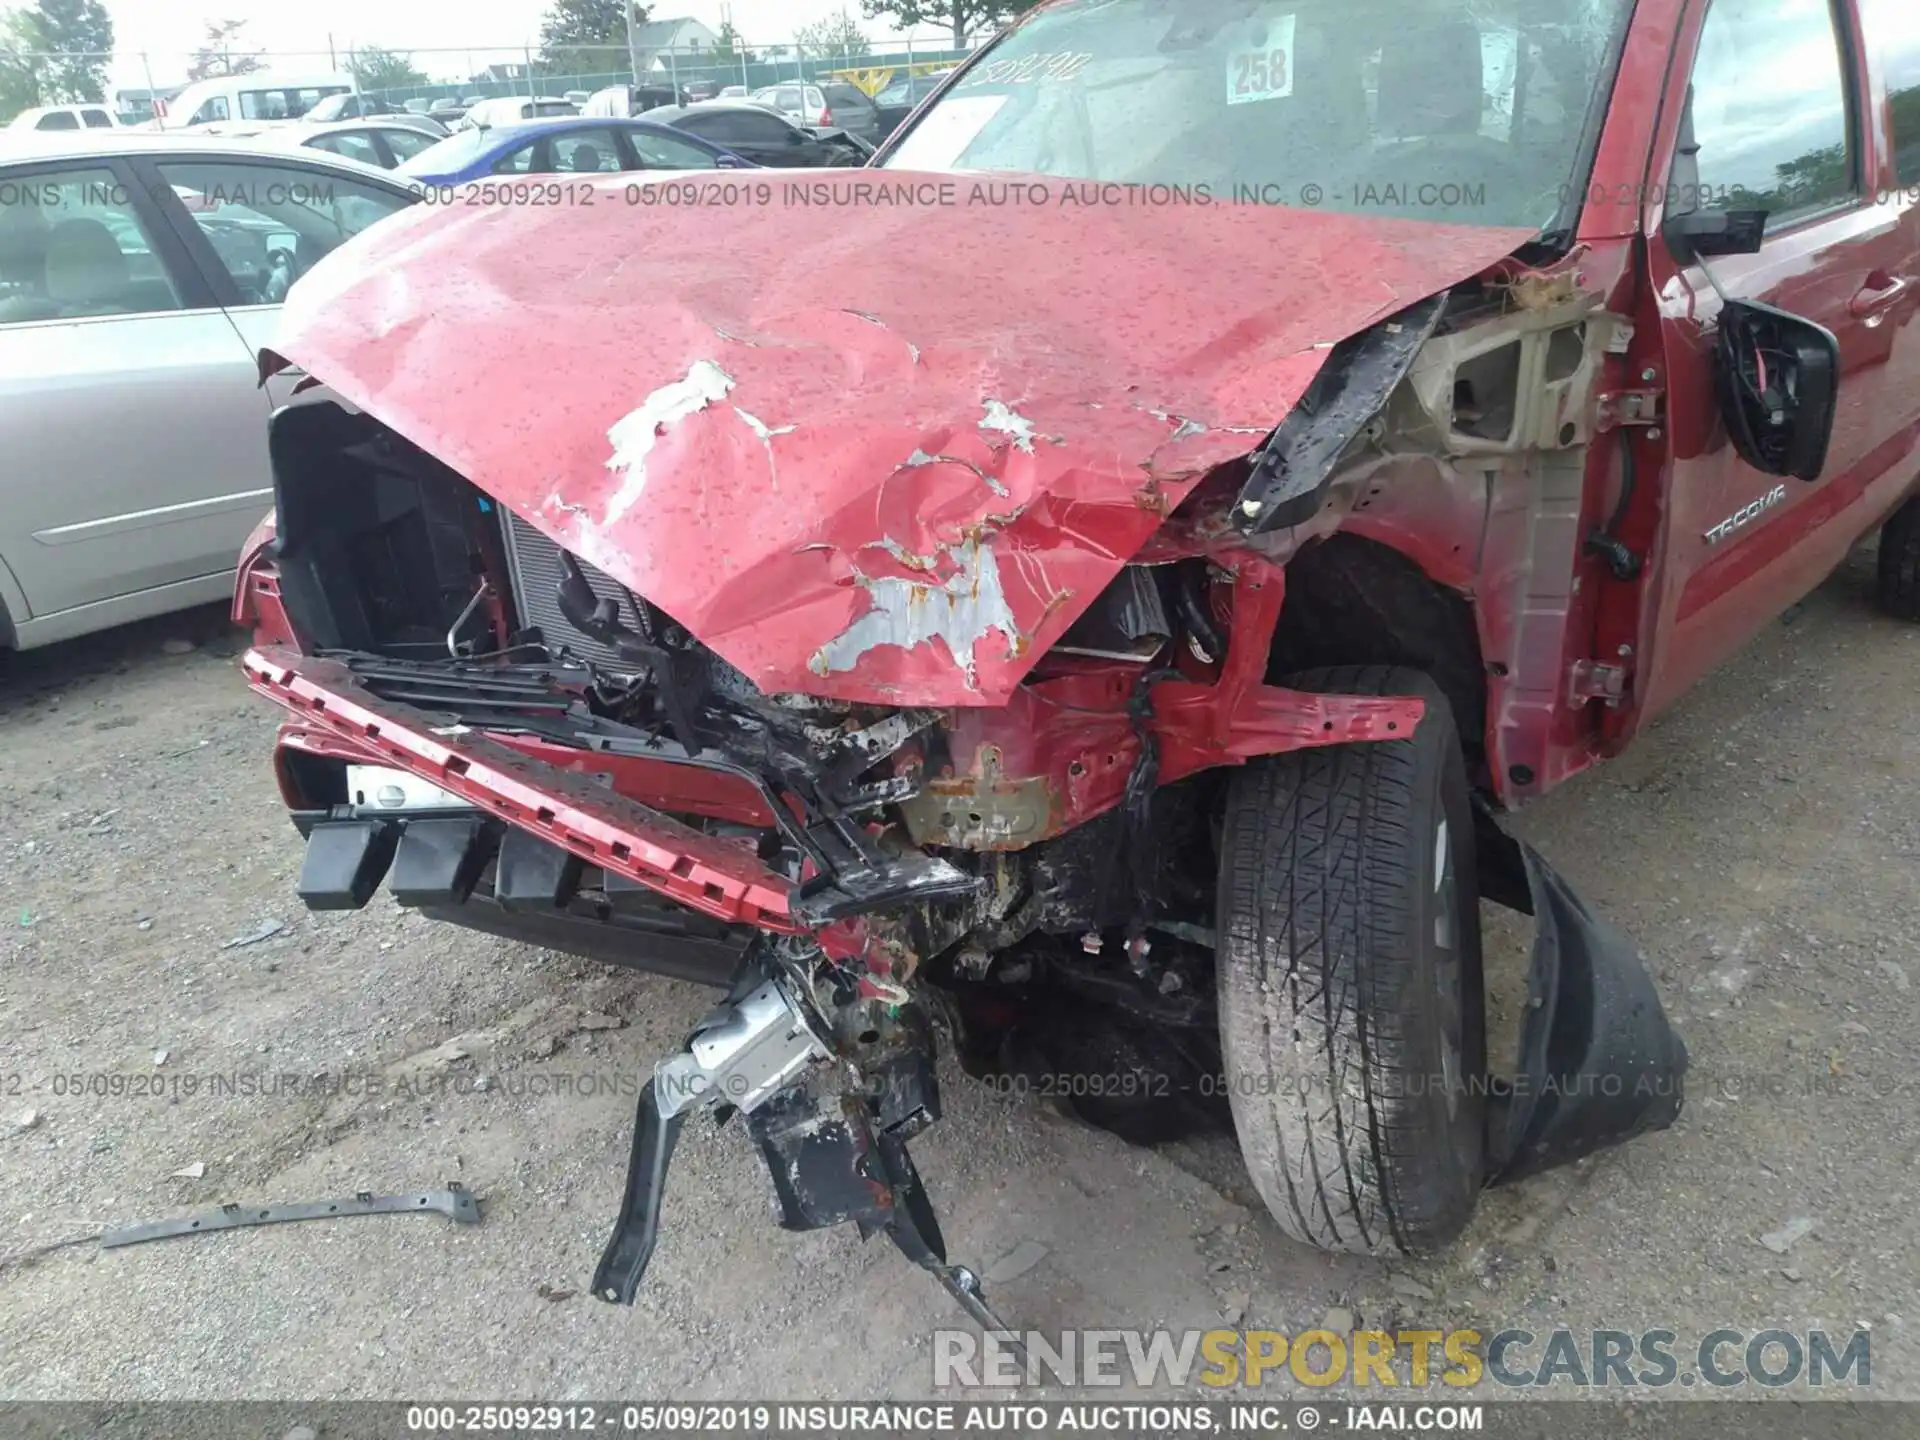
(1004, 419)
(960, 611)
(633, 435)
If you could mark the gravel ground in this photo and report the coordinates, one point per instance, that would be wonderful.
(1761, 842)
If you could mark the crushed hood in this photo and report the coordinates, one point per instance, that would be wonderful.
(867, 450)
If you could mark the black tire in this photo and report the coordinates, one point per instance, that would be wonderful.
(1900, 562)
(1351, 1017)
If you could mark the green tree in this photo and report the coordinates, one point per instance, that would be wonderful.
(221, 53)
(836, 37)
(77, 36)
(586, 37)
(19, 76)
(963, 17)
(378, 69)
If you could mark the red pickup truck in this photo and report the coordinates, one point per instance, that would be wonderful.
(1089, 584)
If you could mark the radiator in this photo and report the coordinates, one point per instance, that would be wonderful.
(533, 563)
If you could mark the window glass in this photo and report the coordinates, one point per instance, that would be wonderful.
(666, 153)
(270, 224)
(58, 120)
(72, 245)
(737, 127)
(290, 103)
(518, 161)
(444, 157)
(354, 144)
(405, 144)
(97, 119)
(1467, 111)
(1770, 109)
(1893, 31)
(213, 109)
(585, 152)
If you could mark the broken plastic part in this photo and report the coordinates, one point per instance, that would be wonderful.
(1599, 1063)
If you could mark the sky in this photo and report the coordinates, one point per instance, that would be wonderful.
(170, 30)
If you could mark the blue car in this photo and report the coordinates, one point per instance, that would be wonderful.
(572, 145)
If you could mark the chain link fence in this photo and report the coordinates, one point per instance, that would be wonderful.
(141, 86)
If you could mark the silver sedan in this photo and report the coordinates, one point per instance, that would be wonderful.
(140, 275)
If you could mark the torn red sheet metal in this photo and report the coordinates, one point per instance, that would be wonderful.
(861, 452)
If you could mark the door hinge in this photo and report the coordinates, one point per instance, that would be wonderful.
(1596, 680)
(1629, 407)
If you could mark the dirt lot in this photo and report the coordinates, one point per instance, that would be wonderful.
(1762, 843)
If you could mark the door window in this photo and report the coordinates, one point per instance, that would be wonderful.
(518, 161)
(97, 119)
(72, 245)
(585, 152)
(212, 110)
(57, 120)
(269, 224)
(406, 144)
(666, 153)
(354, 144)
(1893, 31)
(1770, 110)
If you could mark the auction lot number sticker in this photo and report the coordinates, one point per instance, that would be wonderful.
(1263, 71)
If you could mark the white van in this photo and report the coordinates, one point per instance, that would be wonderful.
(260, 96)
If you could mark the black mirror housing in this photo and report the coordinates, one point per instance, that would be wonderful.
(1777, 377)
(1714, 232)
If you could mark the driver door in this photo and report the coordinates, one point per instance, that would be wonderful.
(256, 227)
(127, 414)
(1778, 115)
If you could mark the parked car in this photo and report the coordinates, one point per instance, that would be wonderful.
(900, 99)
(576, 145)
(732, 92)
(447, 110)
(510, 109)
(764, 136)
(625, 100)
(349, 106)
(384, 142)
(258, 95)
(65, 117)
(697, 90)
(851, 109)
(418, 105)
(1118, 626)
(577, 97)
(804, 104)
(140, 274)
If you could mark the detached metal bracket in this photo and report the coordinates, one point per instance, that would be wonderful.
(455, 1202)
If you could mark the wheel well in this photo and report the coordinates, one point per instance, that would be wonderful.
(1354, 601)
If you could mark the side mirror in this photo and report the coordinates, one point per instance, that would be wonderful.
(1778, 381)
(729, 162)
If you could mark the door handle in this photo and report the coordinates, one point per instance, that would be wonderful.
(1880, 291)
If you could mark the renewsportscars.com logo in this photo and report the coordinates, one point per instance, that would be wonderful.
(1397, 1359)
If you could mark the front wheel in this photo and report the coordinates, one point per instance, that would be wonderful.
(1349, 981)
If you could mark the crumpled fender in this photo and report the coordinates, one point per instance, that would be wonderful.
(1599, 1063)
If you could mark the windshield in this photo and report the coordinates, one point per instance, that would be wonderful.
(1467, 111)
(446, 156)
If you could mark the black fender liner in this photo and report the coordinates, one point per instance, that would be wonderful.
(1598, 1062)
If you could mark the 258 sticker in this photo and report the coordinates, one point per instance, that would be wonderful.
(1263, 72)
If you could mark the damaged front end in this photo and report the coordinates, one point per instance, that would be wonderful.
(883, 719)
